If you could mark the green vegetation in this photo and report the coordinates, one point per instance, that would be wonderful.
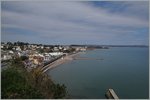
(44, 83)
(70, 50)
(24, 58)
(14, 85)
(17, 83)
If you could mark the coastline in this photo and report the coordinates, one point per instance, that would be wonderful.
(60, 61)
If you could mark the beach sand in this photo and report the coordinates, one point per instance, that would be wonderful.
(60, 61)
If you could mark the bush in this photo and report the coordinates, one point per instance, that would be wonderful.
(46, 85)
(24, 58)
(14, 85)
(17, 83)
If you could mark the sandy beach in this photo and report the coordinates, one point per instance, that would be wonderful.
(60, 61)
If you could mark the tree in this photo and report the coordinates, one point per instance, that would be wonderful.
(18, 83)
(9, 43)
(45, 84)
(14, 85)
(24, 58)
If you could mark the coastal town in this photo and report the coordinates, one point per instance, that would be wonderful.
(45, 56)
(35, 55)
(70, 49)
(25, 65)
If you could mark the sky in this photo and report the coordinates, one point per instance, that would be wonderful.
(76, 22)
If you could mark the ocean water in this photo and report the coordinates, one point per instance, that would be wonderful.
(125, 69)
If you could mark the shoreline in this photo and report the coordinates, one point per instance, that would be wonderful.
(60, 61)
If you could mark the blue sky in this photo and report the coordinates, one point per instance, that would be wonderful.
(86, 22)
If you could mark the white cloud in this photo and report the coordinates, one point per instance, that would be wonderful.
(67, 19)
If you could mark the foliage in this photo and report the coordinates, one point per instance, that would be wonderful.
(70, 50)
(24, 58)
(44, 83)
(10, 47)
(59, 91)
(18, 83)
(16, 61)
(14, 85)
(18, 43)
(40, 50)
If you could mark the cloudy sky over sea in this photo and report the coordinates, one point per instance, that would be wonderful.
(101, 22)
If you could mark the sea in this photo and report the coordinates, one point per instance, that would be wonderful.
(124, 69)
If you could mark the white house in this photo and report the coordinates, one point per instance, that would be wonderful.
(11, 52)
(41, 47)
(17, 48)
(47, 57)
(6, 57)
(56, 53)
(56, 49)
(2, 46)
